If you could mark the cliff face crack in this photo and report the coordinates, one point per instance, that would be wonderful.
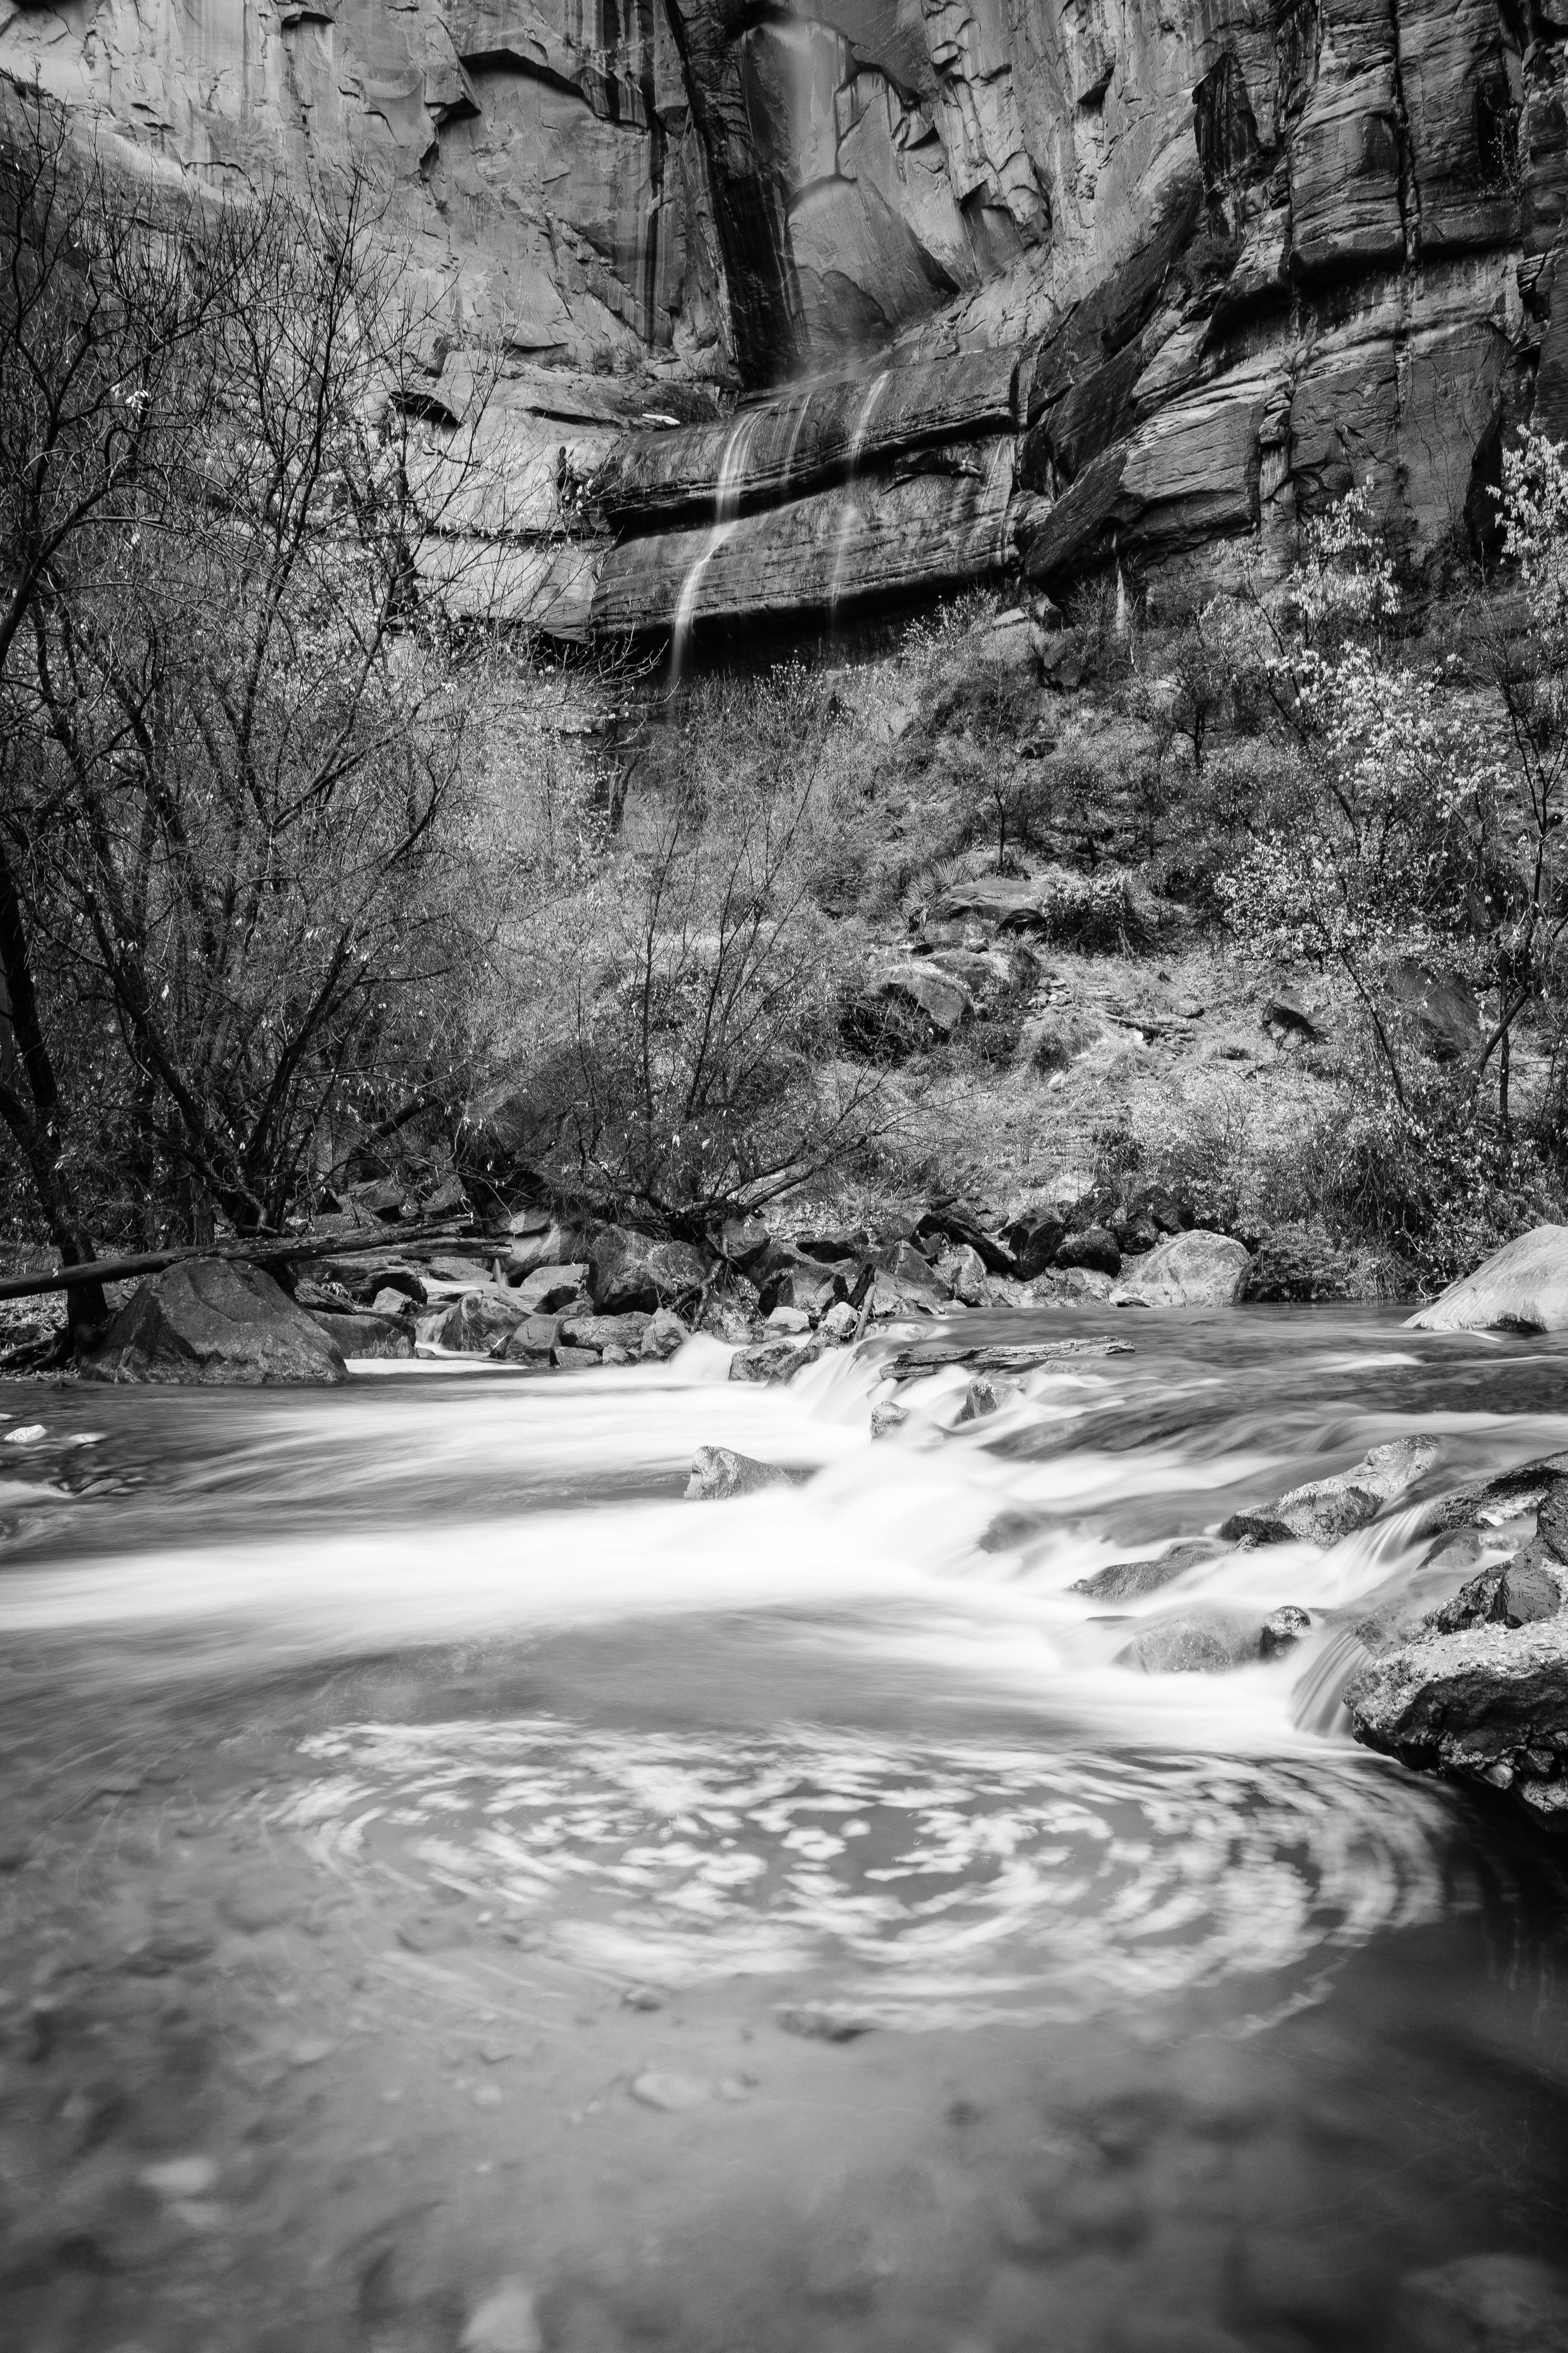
(1409, 186)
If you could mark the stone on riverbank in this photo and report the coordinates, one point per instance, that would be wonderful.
(367, 1335)
(215, 1322)
(719, 1472)
(774, 1360)
(628, 1272)
(1192, 1270)
(1523, 1287)
(473, 1324)
(664, 1335)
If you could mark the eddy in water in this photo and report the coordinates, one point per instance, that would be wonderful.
(461, 1893)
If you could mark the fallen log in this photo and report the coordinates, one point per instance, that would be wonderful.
(277, 1248)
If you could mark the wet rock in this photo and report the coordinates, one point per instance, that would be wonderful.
(365, 1336)
(1522, 1287)
(1095, 1249)
(1489, 1704)
(664, 1335)
(819, 2022)
(1484, 2303)
(550, 1288)
(472, 1325)
(1326, 1510)
(987, 1394)
(1034, 1240)
(1126, 1580)
(503, 2321)
(774, 1360)
(1191, 1270)
(1283, 1628)
(1517, 1593)
(628, 1271)
(887, 1418)
(215, 1322)
(840, 1323)
(1197, 1642)
(719, 1473)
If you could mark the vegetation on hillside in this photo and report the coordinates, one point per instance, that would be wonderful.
(317, 871)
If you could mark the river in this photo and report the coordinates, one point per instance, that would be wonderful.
(457, 1891)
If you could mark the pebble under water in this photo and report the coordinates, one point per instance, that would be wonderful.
(458, 1896)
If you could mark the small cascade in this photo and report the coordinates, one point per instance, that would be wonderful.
(726, 514)
(850, 517)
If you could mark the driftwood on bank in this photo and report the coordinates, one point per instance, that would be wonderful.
(278, 1248)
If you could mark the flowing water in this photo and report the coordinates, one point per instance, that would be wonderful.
(731, 483)
(457, 1891)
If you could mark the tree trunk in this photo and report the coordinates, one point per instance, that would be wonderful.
(37, 1131)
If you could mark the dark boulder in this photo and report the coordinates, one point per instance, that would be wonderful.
(1094, 1248)
(1489, 1704)
(1516, 1593)
(907, 1011)
(215, 1322)
(1033, 1239)
(904, 1282)
(628, 1271)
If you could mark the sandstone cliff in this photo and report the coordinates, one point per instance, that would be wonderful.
(996, 280)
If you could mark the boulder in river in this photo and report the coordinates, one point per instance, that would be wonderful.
(1127, 1580)
(628, 1272)
(774, 1360)
(1325, 1510)
(215, 1322)
(1489, 1704)
(1192, 1270)
(719, 1472)
(1197, 1642)
(1523, 1287)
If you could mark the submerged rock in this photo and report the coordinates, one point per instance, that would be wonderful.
(1522, 1287)
(718, 1473)
(1192, 1270)
(1198, 1641)
(215, 1322)
(1283, 1628)
(987, 1394)
(1126, 1580)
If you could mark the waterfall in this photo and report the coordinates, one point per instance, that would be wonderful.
(726, 510)
(850, 515)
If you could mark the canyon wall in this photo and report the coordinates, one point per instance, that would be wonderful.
(798, 308)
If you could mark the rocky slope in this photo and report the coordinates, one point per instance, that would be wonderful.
(1189, 270)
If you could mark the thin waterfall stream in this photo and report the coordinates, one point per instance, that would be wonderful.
(447, 1873)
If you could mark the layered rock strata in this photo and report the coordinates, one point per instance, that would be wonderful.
(1228, 262)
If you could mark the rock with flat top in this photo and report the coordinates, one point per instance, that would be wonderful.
(472, 1325)
(1192, 1270)
(774, 1360)
(367, 1334)
(1523, 1287)
(1127, 1580)
(1196, 1641)
(551, 1288)
(214, 1322)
